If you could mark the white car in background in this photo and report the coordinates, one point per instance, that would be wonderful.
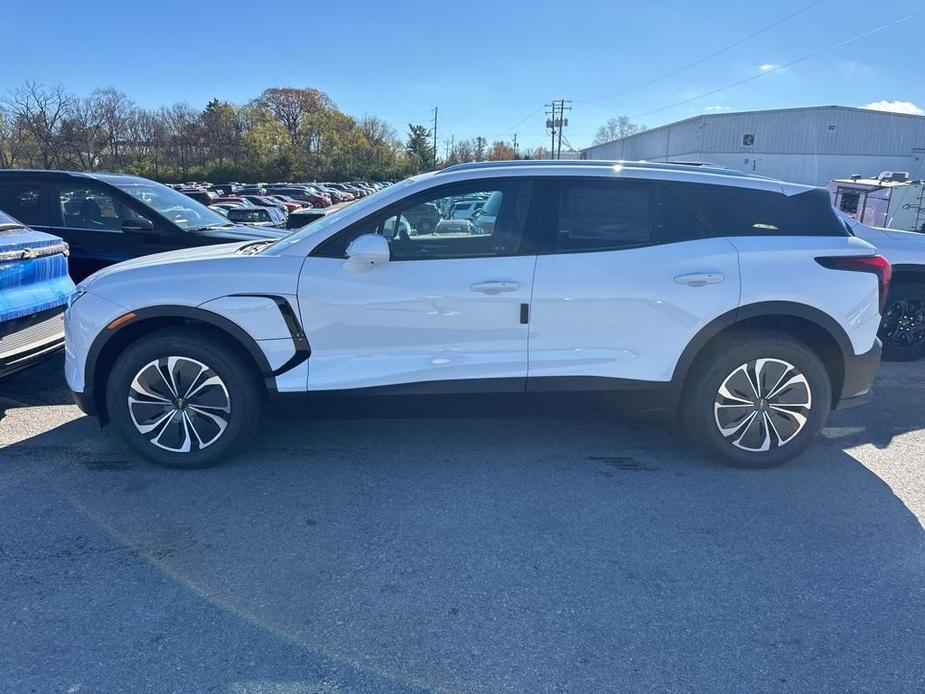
(903, 327)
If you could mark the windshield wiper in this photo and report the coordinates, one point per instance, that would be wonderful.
(7, 227)
(254, 248)
(208, 227)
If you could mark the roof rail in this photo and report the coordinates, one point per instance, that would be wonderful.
(526, 162)
(705, 167)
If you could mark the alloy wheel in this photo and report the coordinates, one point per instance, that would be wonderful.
(904, 323)
(179, 404)
(762, 405)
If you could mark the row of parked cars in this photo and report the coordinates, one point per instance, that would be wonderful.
(281, 205)
(747, 306)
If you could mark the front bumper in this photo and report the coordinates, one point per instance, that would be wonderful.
(28, 341)
(85, 403)
(860, 372)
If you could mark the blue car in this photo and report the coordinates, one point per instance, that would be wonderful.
(34, 291)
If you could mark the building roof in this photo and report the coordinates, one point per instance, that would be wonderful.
(705, 117)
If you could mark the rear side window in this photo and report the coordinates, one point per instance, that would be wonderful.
(732, 211)
(610, 215)
(24, 202)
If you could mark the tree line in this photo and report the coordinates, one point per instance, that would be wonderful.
(285, 133)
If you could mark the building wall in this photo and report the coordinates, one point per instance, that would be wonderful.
(810, 145)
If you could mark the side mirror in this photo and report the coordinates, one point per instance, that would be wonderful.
(139, 225)
(365, 251)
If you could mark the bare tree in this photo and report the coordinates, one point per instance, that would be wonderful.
(42, 110)
(116, 111)
(83, 134)
(182, 126)
(15, 140)
(616, 128)
(464, 152)
(479, 148)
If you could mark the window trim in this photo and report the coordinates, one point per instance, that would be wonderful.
(428, 195)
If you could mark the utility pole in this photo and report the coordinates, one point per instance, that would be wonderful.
(563, 122)
(515, 146)
(551, 126)
(435, 137)
(556, 122)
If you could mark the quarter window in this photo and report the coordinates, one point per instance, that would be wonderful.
(734, 211)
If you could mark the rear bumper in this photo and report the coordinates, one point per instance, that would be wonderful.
(860, 372)
(31, 340)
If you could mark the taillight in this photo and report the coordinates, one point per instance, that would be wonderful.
(875, 264)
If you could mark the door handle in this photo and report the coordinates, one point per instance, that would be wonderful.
(698, 279)
(495, 287)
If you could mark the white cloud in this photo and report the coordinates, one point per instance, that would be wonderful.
(768, 67)
(716, 107)
(896, 107)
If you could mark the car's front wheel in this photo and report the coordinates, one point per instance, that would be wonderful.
(182, 399)
(757, 400)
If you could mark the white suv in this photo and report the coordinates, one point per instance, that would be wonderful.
(740, 302)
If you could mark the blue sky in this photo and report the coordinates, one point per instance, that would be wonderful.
(489, 66)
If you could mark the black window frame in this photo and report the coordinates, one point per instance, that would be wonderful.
(334, 247)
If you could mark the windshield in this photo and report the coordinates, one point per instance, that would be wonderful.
(181, 209)
(333, 218)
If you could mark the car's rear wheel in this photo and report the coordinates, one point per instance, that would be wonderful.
(182, 399)
(756, 400)
(902, 329)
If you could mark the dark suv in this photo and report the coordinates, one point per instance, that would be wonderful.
(108, 218)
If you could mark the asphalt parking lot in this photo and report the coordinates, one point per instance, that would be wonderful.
(476, 555)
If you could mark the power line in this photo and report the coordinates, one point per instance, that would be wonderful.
(705, 58)
(778, 68)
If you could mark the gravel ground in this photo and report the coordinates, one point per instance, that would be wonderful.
(475, 555)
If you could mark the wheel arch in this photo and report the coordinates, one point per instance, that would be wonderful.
(817, 330)
(908, 272)
(110, 343)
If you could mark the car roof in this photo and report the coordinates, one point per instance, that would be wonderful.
(57, 173)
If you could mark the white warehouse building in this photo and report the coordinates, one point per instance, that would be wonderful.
(806, 145)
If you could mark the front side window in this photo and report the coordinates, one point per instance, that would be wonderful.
(471, 221)
(182, 210)
(24, 202)
(92, 208)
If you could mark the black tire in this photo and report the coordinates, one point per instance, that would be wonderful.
(705, 408)
(198, 419)
(902, 329)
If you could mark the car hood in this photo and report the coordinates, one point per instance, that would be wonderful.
(243, 233)
(185, 255)
(29, 240)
